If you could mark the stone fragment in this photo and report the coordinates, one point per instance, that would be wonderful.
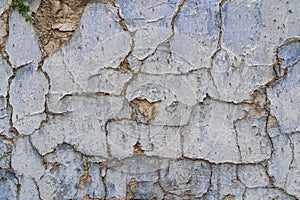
(197, 26)
(253, 140)
(27, 97)
(60, 179)
(122, 136)
(109, 81)
(22, 43)
(28, 189)
(186, 177)
(2, 6)
(252, 29)
(147, 40)
(8, 185)
(5, 121)
(176, 93)
(210, 133)
(5, 150)
(143, 185)
(115, 182)
(253, 176)
(83, 124)
(6, 72)
(147, 14)
(162, 141)
(95, 188)
(279, 163)
(137, 175)
(237, 83)
(25, 160)
(266, 193)
(292, 185)
(225, 184)
(289, 52)
(284, 101)
(96, 44)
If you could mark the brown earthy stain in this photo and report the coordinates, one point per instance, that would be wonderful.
(272, 121)
(147, 109)
(85, 178)
(89, 198)
(54, 168)
(132, 184)
(55, 22)
(229, 197)
(138, 149)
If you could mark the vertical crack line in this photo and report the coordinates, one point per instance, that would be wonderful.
(109, 156)
(237, 139)
(103, 168)
(267, 109)
(5, 17)
(176, 13)
(38, 189)
(221, 4)
(293, 158)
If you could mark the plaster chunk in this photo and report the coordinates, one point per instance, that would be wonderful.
(2, 6)
(96, 44)
(289, 52)
(279, 163)
(22, 43)
(144, 186)
(225, 183)
(292, 182)
(4, 158)
(266, 193)
(237, 83)
(28, 90)
(28, 189)
(122, 136)
(60, 182)
(253, 140)
(80, 125)
(252, 29)
(147, 40)
(144, 14)
(186, 177)
(137, 175)
(160, 141)
(253, 176)
(197, 26)
(284, 101)
(5, 122)
(116, 184)
(8, 184)
(109, 81)
(25, 160)
(210, 133)
(6, 72)
(95, 188)
(176, 94)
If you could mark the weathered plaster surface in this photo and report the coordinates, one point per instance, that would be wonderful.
(161, 99)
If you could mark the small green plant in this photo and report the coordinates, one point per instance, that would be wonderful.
(23, 9)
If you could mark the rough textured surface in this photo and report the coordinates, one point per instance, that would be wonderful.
(161, 99)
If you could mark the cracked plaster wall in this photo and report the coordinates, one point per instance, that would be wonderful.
(160, 99)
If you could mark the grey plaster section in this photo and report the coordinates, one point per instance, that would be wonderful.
(22, 43)
(285, 104)
(28, 94)
(162, 99)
